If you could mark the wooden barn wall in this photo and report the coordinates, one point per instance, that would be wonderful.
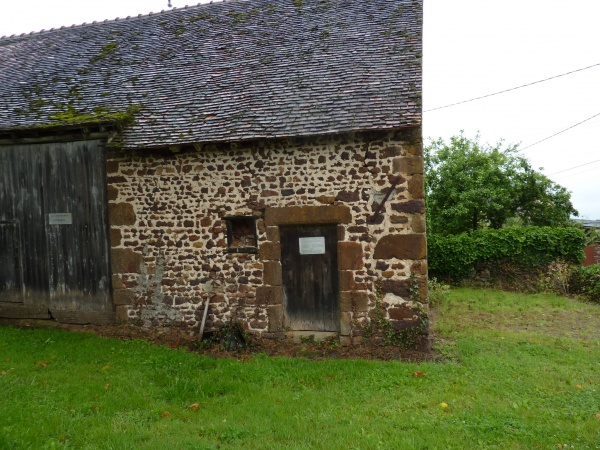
(54, 235)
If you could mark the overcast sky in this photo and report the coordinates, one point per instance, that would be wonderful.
(472, 48)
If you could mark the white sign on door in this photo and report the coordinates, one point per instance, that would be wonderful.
(60, 219)
(312, 245)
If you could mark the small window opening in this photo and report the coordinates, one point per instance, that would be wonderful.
(241, 234)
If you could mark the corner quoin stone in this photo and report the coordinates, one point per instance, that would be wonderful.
(270, 251)
(269, 295)
(275, 315)
(408, 166)
(353, 300)
(123, 297)
(346, 323)
(272, 273)
(125, 260)
(401, 246)
(350, 256)
(121, 214)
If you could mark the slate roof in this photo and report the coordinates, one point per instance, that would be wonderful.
(235, 70)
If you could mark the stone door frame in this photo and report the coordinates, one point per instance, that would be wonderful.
(350, 257)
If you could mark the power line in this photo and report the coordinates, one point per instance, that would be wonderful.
(576, 174)
(562, 131)
(512, 89)
(576, 167)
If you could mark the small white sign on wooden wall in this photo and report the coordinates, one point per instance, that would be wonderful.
(60, 219)
(312, 245)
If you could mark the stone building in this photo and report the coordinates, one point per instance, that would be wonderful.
(262, 155)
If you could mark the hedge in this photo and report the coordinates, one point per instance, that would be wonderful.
(454, 257)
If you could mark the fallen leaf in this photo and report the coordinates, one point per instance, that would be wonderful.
(165, 414)
(419, 374)
(107, 387)
(4, 372)
(447, 410)
(42, 363)
(194, 406)
(444, 405)
(578, 386)
(598, 416)
(105, 367)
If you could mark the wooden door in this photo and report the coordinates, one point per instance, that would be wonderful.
(55, 195)
(310, 277)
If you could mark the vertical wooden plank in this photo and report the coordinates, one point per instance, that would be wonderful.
(11, 265)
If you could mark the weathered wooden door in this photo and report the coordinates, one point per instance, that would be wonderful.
(310, 277)
(54, 237)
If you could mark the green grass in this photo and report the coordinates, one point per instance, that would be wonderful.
(520, 372)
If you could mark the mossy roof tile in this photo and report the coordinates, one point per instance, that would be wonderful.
(228, 71)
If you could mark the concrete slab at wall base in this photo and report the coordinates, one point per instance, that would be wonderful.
(299, 336)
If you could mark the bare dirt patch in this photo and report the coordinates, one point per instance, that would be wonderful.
(217, 346)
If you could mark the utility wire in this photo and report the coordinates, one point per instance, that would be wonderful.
(576, 167)
(562, 131)
(564, 176)
(576, 174)
(512, 89)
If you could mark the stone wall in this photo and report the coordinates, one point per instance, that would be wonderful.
(169, 237)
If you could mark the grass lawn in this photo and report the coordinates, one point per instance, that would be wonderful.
(520, 372)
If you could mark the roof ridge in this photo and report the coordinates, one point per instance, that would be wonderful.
(115, 20)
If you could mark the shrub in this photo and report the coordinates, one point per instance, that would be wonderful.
(557, 278)
(586, 281)
(438, 292)
(455, 257)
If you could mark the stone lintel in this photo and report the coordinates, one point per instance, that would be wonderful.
(306, 215)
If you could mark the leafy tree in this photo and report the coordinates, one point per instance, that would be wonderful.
(471, 185)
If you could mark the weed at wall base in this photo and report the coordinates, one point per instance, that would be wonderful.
(379, 329)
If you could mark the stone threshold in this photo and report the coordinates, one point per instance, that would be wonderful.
(298, 336)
